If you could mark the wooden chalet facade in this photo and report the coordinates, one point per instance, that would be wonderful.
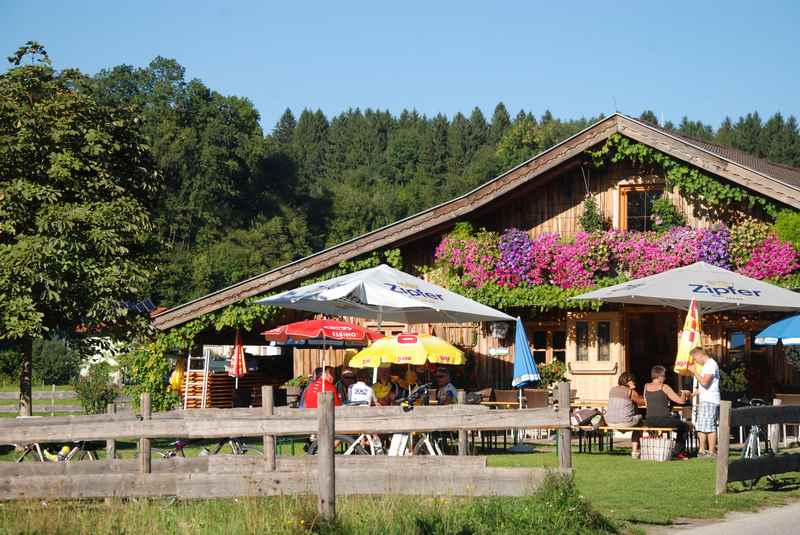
(545, 194)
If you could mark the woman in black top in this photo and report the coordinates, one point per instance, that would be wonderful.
(659, 413)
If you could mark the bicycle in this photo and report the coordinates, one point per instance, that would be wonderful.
(752, 445)
(177, 449)
(236, 445)
(65, 454)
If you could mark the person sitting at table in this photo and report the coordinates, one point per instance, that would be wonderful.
(315, 387)
(360, 392)
(344, 384)
(623, 400)
(385, 390)
(445, 391)
(659, 414)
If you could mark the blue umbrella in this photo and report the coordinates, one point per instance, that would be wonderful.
(525, 370)
(786, 331)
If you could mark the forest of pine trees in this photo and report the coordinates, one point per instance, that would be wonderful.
(240, 201)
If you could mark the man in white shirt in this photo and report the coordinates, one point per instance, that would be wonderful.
(360, 393)
(708, 409)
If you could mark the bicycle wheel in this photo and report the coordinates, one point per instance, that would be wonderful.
(345, 443)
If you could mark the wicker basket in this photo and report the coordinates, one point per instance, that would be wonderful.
(656, 449)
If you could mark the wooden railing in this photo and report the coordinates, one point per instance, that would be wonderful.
(750, 469)
(216, 476)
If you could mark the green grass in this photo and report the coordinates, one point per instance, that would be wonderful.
(556, 508)
(631, 490)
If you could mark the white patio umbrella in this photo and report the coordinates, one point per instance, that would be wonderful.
(715, 289)
(385, 293)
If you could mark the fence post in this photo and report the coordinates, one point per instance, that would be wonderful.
(462, 433)
(723, 446)
(111, 444)
(53, 400)
(267, 404)
(326, 469)
(144, 443)
(564, 433)
(775, 430)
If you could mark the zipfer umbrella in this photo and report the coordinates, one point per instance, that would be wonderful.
(237, 366)
(384, 293)
(714, 288)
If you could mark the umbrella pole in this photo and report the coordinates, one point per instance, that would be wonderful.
(380, 323)
(323, 361)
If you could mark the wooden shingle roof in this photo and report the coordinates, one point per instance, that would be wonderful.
(778, 182)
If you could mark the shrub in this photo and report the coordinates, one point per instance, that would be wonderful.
(54, 362)
(95, 389)
(591, 220)
(666, 215)
(146, 369)
(787, 227)
(745, 237)
(771, 258)
(551, 374)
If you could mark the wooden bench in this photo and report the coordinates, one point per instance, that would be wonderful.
(587, 434)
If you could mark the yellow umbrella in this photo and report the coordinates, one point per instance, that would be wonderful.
(407, 348)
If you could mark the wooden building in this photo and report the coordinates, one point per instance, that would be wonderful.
(545, 194)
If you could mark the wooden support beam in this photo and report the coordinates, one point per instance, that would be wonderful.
(111, 444)
(723, 446)
(326, 468)
(267, 408)
(775, 430)
(222, 425)
(144, 443)
(462, 433)
(564, 433)
(747, 469)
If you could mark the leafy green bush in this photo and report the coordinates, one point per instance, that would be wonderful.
(54, 363)
(591, 220)
(95, 389)
(146, 369)
(551, 374)
(666, 215)
(787, 227)
(732, 378)
(745, 237)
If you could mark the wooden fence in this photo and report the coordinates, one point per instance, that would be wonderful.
(749, 469)
(322, 474)
(45, 401)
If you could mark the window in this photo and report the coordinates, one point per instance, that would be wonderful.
(603, 340)
(540, 346)
(636, 206)
(582, 340)
(560, 346)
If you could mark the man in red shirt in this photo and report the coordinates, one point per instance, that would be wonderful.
(310, 394)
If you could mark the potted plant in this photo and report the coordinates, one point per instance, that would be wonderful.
(294, 385)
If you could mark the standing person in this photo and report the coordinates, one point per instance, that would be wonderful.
(315, 387)
(658, 395)
(344, 384)
(623, 401)
(360, 392)
(445, 391)
(708, 410)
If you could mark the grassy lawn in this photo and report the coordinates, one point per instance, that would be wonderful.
(631, 490)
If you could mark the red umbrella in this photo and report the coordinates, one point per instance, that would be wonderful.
(326, 330)
(237, 366)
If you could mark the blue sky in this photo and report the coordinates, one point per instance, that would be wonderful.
(701, 59)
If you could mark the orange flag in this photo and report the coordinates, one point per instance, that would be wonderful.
(691, 338)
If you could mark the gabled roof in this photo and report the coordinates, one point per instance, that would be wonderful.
(777, 182)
